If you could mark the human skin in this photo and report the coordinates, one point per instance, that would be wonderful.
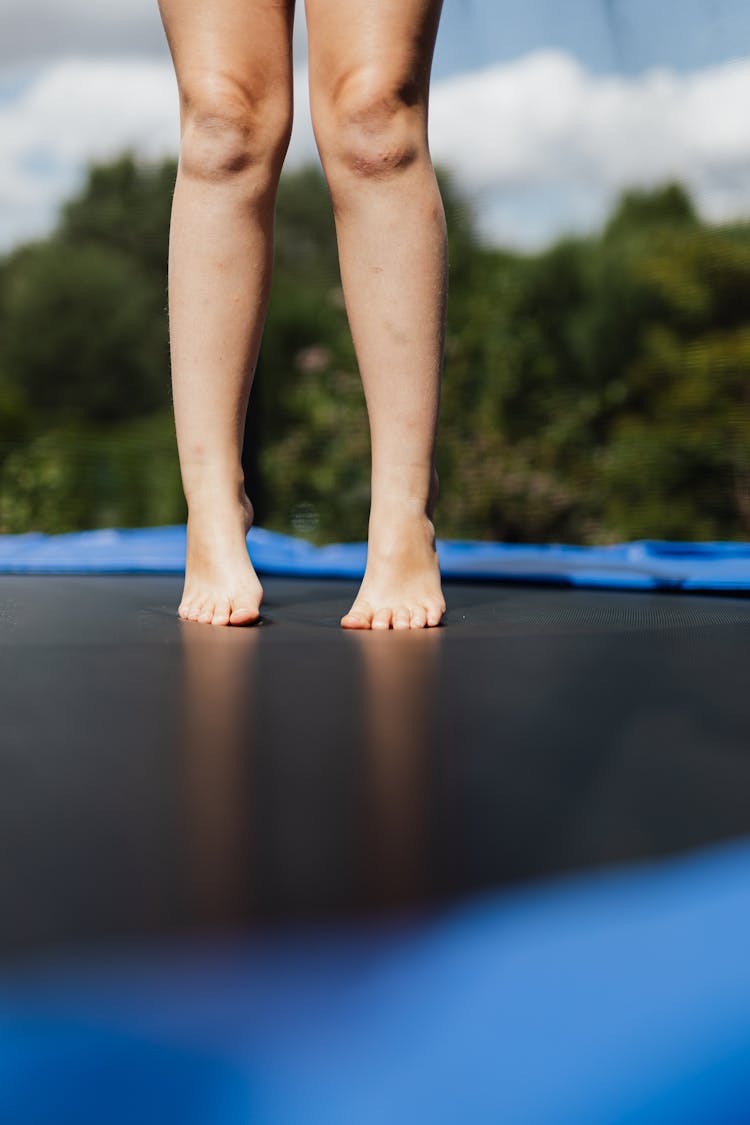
(369, 67)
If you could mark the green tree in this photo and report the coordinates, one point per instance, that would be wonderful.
(125, 205)
(596, 391)
(82, 334)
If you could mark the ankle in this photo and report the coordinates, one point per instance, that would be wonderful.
(220, 511)
(400, 534)
(222, 493)
(400, 511)
(399, 497)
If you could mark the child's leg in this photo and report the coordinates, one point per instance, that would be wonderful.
(369, 82)
(233, 64)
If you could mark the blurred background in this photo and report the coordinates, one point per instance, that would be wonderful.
(594, 159)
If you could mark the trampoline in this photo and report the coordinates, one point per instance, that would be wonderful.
(510, 852)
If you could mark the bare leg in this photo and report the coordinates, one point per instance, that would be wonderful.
(233, 64)
(369, 81)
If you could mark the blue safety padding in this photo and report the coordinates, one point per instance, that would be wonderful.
(595, 1000)
(641, 565)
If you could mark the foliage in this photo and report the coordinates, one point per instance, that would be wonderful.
(595, 392)
(77, 476)
(83, 333)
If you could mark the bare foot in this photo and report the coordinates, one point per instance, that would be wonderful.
(221, 586)
(401, 586)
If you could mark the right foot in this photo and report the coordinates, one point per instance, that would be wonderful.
(221, 586)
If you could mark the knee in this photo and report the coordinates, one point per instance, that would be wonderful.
(232, 131)
(370, 125)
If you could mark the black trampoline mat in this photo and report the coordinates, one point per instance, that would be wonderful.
(161, 776)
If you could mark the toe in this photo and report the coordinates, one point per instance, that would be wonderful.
(221, 613)
(206, 613)
(355, 620)
(402, 618)
(244, 607)
(382, 619)
(184, 611)
(434, 613)
(358, 617)
(418, 617)
(243, 615)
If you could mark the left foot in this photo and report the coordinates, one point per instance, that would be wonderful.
(401, 586)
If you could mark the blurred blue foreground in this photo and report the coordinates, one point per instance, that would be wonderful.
(640, 565)
(602, 999)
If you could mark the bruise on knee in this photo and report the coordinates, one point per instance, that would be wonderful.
(374, 127)
(228, 130)
(379, 161)
(215, 146)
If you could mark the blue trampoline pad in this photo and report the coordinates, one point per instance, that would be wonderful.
(640, 565)
(594, 1000)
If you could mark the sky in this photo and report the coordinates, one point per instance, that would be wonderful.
(544, 110)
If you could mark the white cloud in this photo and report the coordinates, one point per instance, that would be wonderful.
(541, 146)
(70, 113)
(81, 110)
